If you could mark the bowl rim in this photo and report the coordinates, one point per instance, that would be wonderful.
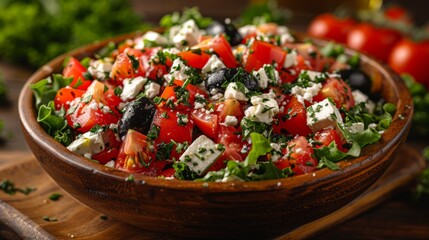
(400, 124)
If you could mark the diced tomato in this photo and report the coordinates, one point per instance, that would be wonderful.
(195, 58)
(151, 68)
(137, 154)
(183, 100)
(261, 53)
(76, 70)
(339, 91)
(300, 155)
(326, 137)
(169, 172)
(106, 155)
(171, 128)
(206, 122)
(282, 163)
(65, 96)
(231, 138)
(293, 119)
(291, 74)
(221, 47)
(92, 110)
(312, 56)
(229, 107)
(125, 66)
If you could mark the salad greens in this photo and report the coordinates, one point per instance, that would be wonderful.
(52, 121)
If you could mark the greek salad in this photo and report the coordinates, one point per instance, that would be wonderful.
(214, 103)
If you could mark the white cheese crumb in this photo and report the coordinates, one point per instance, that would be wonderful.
(264, 108)
(214, 64)
(201, 154)
(151, 89)
(232, 91)
(188, 34)
(230, 121)
(290, 59)
(307, 93)
(323, 115)
(132, 88)
(88, 143)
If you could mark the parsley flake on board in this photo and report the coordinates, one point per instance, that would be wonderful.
(9, 187)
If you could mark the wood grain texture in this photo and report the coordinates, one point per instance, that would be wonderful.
(82, 222)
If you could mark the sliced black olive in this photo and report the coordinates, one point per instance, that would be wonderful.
(357, 80)
(233, 36)
(138, 116)
(219, 78)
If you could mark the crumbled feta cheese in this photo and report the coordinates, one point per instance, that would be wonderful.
(290, 59)
(200, 101)
(187, 35)
(306, 94)
(151, 89)
(267, 74)
(247, 29)
(361, 97)
(214, 64)
(230, 121)
(233, 91)
(178, 71)
(323, 115)
(88, 143)
(217, 96)
(153, 37)
(315, 75)
(100, 69)
(132, 87)
(264, 108)
(201, 154)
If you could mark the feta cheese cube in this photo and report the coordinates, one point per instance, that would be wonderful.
(214, 64)
(323, 115)
(233, 91)
(152, 37)
(201, 154)
(264, 108)
(247, 29)
(88, 143)
(132, 88)
(361, 97)
(307, 93)
(151, 89)
(178, 71)
(100, 69)
(267, 74)
(290, 59)
(187, 35)
(230, 121)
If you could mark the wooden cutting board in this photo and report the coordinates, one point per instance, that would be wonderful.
(21, 216)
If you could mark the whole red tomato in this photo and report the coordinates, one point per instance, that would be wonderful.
(373, 40)
(411, 57)
(331, 27)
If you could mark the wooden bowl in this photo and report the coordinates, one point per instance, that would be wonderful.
(201, 210)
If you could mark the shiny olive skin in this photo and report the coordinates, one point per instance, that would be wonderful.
(217, 79)
(138, 116)
(232, 35)
(357, 80)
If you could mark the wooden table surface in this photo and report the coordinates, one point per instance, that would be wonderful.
(399, 217)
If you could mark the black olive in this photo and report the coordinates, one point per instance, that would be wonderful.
(357, 80)
(233, 36)
(138, 116)
(217, 79)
